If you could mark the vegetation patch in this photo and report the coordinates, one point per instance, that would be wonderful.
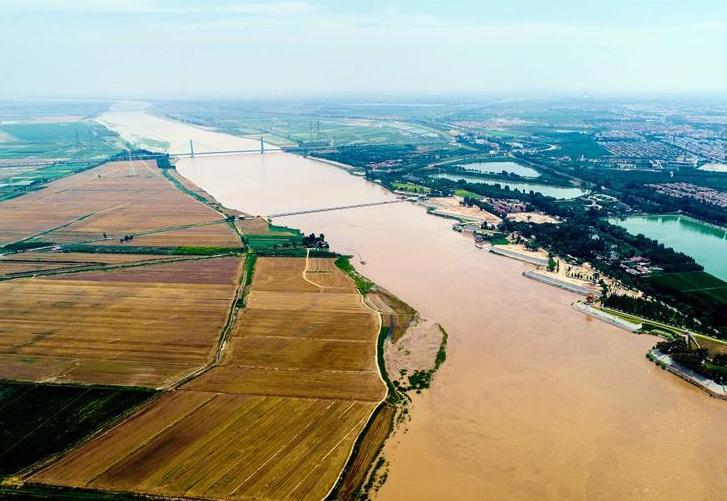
(363, 284)
(411, 187)
(38, 420)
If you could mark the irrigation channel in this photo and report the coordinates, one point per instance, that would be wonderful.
(535, 400)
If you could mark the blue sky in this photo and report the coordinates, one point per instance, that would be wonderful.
(217, 48)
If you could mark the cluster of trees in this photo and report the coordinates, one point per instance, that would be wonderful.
(648, 308)
(314, 240)
(471, 201)
(697, 360)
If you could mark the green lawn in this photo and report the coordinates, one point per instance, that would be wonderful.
(414, 188)
(466, 193)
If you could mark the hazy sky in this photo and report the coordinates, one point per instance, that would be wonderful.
(220, 48)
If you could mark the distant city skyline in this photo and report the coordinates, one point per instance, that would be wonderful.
(247, 49)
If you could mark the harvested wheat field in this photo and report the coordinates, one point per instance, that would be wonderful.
(220, 446)
(117, 200)
(289, 341)
(144, 326)
(27, 262)
(278, 418)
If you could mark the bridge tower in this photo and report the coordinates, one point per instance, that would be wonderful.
(191, 149)
(262, 145)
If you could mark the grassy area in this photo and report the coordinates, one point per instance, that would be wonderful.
(72, 147)
(466, 193)
(76, 140)
(277, 237)
(363, 284)
(411, 187)
(499, 240)
(657, 328)
(698, 283)
(38, 420)
(699, 292)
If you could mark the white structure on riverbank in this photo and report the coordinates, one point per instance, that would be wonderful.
(606, 317)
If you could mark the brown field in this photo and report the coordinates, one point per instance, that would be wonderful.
(140, 326)
(220, 446)
(276, 420)
(395, 313)
(80, 208)
(40, 261)
(256, 226)
(218, 271)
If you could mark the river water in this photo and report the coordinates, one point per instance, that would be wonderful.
(535, 401)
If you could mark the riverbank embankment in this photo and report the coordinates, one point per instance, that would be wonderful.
(527, 258)
(558, 282)
(606, 317)
(666, 362)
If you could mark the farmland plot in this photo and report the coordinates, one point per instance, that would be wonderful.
(41, 419)
(116, 199)
(44, 261)
(276, 420)
(141, 326)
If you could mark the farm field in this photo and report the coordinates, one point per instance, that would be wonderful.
(276, 419)
(705, 292)
(259, 234)
(698, 281)
(289, 130)
(117, 199)
(72, 139)
(65, 144)
(67, 261)
(142, 326)
(37, 420)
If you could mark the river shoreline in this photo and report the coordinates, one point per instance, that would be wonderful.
(490, 421)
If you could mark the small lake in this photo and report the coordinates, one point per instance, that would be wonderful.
(706, 244)
(498, 167)
(559, 192)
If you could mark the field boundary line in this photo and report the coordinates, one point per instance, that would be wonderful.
(104, 429)
(280, 449)
(222, 338)
(380, 401)
(139, 446)
(111, 267)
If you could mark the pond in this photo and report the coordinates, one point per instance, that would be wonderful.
(560, 192)
(707, 244)
(498, 167)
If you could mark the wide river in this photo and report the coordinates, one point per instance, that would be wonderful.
(535, 400)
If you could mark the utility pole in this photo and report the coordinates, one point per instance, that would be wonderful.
(132, 169)
(191, 149)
